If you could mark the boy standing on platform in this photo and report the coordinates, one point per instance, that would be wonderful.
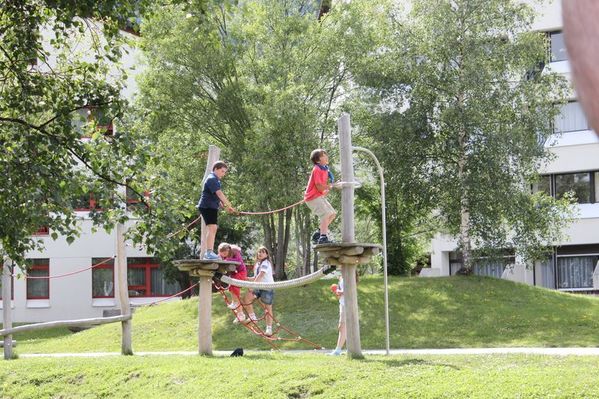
(319, 185)
(209, 204)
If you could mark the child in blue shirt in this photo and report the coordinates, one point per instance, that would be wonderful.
(211, 200)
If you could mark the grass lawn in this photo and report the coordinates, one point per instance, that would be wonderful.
(301, 376)
(424, 312)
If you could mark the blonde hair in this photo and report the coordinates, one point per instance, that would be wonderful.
(229, 248)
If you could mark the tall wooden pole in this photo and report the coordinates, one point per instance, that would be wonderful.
(123, 289)
(205, 314)
(213, 156)
(6, 309)
(348, 271)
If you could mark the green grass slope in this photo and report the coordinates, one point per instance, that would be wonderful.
(424, 313)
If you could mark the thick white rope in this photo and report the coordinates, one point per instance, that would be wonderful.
(278, 284)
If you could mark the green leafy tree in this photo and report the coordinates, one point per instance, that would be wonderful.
(261, 79)
(46, 81)
(462, 113)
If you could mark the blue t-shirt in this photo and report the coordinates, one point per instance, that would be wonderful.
(209, 198)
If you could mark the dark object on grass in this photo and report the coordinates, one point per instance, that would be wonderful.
(237, 352)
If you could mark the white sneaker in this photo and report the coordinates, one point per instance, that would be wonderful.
(253, 318)
(239, 319)
(233, 305)
(336, 352)
(268, 331)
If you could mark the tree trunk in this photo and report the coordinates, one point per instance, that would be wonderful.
(277, 241)
(465, 238)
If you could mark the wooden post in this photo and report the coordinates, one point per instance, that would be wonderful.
(6, 309)
(205, 314)
(213, 156)
(352, 322)
(123, 289)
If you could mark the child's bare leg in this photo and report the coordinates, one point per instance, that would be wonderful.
(210, 236)
(268, 318)
(342, 336)
(247, 302)
(325, 222)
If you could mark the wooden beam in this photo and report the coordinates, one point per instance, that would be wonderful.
(65, 323)
(123, 290)
(352, 322)
(6, 307)
(205, 316)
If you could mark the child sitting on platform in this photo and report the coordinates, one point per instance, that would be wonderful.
(262, 274)
(317, 189)
(232, 253)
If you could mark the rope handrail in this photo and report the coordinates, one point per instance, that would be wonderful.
(66, 274)
(193, 222)
(273, 211)
(279, 284)
(174, 295)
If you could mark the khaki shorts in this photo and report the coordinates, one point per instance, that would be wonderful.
(341, 314)
(320, 207)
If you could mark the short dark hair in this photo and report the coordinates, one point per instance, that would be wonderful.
(316, 154)
(219, 165)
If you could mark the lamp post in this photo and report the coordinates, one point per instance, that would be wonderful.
(384, 223)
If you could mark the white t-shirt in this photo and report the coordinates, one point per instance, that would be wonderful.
(266, 268)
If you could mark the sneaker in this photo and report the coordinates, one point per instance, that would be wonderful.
(253, 318)
(336, 352)
(324, 240)
(233, 305)
(268, 331)
(315, 236)
(210, 255)
(240, 319)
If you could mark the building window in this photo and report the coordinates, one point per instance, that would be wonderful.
(482, 266)
(576, 271)
(42, 231)
(578, 183)
(103, 278)
(596, 186)
(38, 288)
(86, 202)
(93, 115)
(146, 279)
(12, 284)
(558, 47)
(571, 119)
(134, 202)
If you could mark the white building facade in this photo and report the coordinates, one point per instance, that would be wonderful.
(574, 168)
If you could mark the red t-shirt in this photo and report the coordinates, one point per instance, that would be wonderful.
(318, 176)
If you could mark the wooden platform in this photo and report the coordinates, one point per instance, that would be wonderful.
(347, 253)
(193, 266)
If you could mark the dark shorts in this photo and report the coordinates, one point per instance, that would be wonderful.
(266, 296)
(209, 215)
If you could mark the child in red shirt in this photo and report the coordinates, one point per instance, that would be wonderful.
(316, 191)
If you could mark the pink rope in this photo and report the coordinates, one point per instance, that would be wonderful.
(270, 212)
(171, 235)
(66, 274)
(172, 296)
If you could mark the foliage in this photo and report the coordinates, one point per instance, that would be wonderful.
(261, 79)
(54, 65)
(462, 122)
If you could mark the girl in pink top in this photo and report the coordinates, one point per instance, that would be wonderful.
(232, 253)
